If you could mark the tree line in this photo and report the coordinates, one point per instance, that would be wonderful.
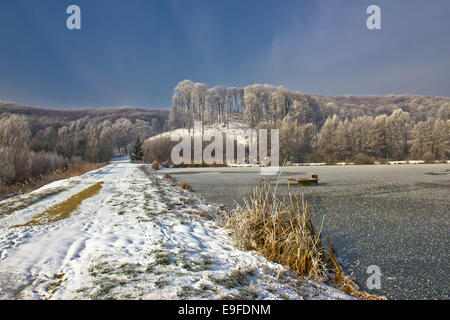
(32, 148)
(319, 128)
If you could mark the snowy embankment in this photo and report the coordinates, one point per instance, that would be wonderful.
(140, 237)
(236, 129)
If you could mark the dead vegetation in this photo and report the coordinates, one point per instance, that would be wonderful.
(283, 231)
(346, 284)
(21, 202)
(168, 177)
(41, 180)
(362, 158)
(64, 209)
(185, 186)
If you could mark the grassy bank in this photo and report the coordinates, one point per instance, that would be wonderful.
(34, 183)
(64, 209)
(283, 231)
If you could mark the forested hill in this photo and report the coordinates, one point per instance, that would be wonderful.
(320, 128)
(58, 115)
(35, 141)
(266, 103)
(420, 108)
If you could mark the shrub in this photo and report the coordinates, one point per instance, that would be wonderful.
(158, 149)
(283, 231)
(168, 177)
(45, 162)
(76, 160)
(330, 159)
(70, 170)
(428, 157)
(14, 142)
(362, 158)
(185, 186)
(16, 165)
(7, 170)
(155, 165)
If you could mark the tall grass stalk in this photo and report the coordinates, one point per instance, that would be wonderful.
(282, 230)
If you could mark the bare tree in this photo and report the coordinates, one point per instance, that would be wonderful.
(252, 111)
(14, 145)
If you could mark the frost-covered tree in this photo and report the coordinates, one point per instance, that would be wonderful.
(361, 134)
(398, 129)
(444, 112)
(278, 101)
(182, 104)
(373, 126)
(14, 147)
(252, 113)
(122, 132)
(344, 140)
(105, 142)
(91, 151)
(421, 140)
(441, 133)
(379, 141)
(327, 139)
(199, 100)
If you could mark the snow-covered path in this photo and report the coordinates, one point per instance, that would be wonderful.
(140, 237)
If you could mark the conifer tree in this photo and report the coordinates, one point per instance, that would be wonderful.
(137, 150)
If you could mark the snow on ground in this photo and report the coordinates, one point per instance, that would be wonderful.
(234, 128)
(140, 237)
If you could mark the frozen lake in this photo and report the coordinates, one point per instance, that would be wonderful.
(395, 217)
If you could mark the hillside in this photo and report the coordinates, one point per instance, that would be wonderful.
(313, 128)
(266, 103)
(37, 141)
(420, 107)
(55, 116)
(320, 128)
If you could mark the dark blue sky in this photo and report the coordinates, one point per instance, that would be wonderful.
(134, 52)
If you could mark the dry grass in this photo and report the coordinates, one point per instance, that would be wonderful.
(346, 284)
(64, 209)
(283, 231)
(185, 186)
(361, 158)
(169, 177)
(155, 165)
(21, 202)
(32, 184)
